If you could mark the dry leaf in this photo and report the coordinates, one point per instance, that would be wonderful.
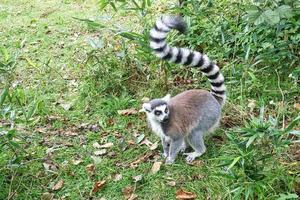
(181, 194)
(137, 178)
(141, 159)
(51, 150)
(50, 165)
(47, 196)
(127, 112)
(58, 185)
(297, 106)
(171, 183)
(90, 169)
(96, 145)
(41, 130)
(251, 104)
(139, 138)
(133, 197)
(196, 163)
(77, 162)
(66, 106)
(146, 142)
(110, 121)
(154, 146)
(111, 154)
(155, 167)
(70, 133)
(145, 99)
(128, 193)
(96, 159)
(107, 145)
(131, 142)
(100, 152)
(118, 177)
(98, 185)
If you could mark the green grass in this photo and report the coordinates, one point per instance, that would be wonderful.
(65, 77)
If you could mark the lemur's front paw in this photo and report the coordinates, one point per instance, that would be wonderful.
(169, 161)
(182, 149)
(164, 155)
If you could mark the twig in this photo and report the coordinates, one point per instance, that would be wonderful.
(282, 95)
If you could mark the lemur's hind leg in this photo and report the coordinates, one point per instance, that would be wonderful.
(196, 141)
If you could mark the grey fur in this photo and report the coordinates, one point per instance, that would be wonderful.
(156, 102)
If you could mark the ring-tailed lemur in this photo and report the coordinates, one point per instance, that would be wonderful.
(185, 118)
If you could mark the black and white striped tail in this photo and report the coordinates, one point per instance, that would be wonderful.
(185, 56)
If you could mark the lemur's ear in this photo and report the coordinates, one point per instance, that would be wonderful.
(146, 107)
(167, 98)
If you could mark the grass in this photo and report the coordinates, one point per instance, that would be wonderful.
(65, 77)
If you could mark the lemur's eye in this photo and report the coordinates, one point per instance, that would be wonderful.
(166, 110)
(157, 112)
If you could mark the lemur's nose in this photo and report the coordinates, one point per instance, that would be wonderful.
(165, 119)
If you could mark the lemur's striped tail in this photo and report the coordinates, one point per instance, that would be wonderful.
(185, 56)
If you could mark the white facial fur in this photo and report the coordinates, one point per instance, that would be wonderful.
(159, 113)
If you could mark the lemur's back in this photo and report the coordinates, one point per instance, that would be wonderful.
(194, 109)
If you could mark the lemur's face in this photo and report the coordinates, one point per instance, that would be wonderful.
(157, 109)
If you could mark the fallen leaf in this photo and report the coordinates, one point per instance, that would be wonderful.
(127, 112)
(110, 121)
(111, 154)
(154, 146)
(251, 104)
(96, 159)
(100, 152)
(47, 196)
(141, 159)
(196, 163)
(118, 177)
(96, 145)
(49, 165)
(94, 128)
(156, 167)
(90, 169)
(76, 162)
(66, 106)
(42, 130)
(145, 99)
(137, 178)
(139, 138)
(171, 183)
(181, 194)
(196, 176)
(147, 142)
(133, 197)
(128, 193)
(70, 133)
(58, 185)
(107, 145)
(50, 150)
(131, 142)
(129, 125)
(297, 106)
(98, 185)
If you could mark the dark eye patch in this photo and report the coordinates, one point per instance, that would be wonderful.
(157, 112)
(166, 110)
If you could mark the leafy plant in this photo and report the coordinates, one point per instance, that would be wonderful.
(250, 169)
